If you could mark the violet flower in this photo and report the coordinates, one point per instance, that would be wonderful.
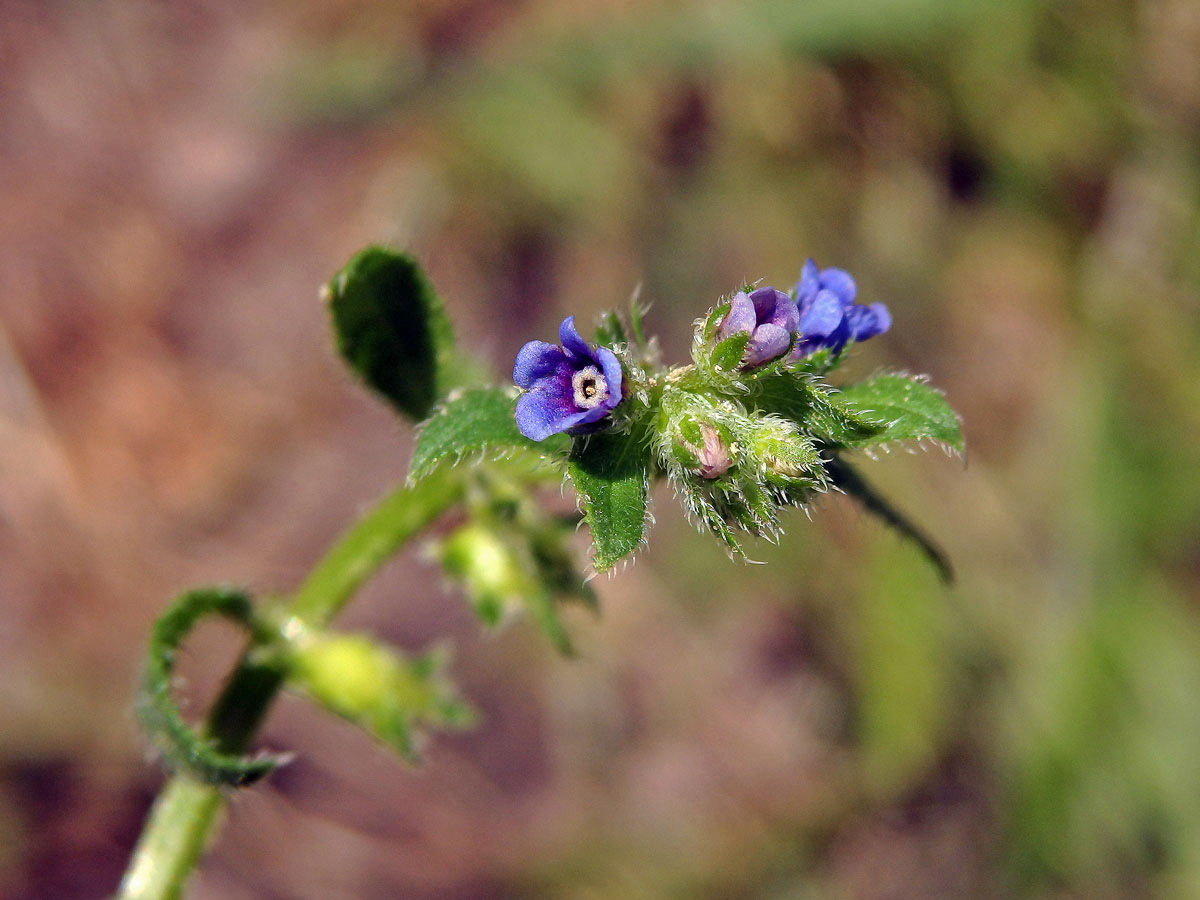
(568, 388)
(768, 316)
(829, 317)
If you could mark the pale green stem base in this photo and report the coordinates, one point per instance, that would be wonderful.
(173, 840)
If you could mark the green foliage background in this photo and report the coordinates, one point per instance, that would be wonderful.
(1018, 181)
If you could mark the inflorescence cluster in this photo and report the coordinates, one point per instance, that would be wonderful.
(745, 430)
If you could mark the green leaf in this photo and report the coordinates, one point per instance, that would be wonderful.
(391, 329)
(475, 420)
(391, 696)
(816, 409)
(637, 314)
(611, 473)
(910, 409)
(183, 746)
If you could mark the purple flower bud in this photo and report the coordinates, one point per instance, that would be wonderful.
(568, 388)
(829, 317)
(768, 316)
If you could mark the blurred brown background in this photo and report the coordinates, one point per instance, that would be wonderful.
(1018, 181)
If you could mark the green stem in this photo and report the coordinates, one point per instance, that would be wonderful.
(172, 841)
(371, 542)
(186, 812)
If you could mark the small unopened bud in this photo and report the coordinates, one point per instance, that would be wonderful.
(703, 447)
(488, 568)
(713, 453)
(348, 672)
(788, 458)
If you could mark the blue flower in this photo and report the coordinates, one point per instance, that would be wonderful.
(829, 317)
(768, 316)
(568, 388)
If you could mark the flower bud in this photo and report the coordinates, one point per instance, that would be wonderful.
(786, 458)
(390, 695)
(703, 446)
(715, 459)
(767, 318)
(349, 672)
(490, 570)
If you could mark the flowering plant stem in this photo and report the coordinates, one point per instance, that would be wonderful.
(186, 812)
(746, 431)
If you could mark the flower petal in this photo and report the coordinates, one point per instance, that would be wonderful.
(569, 337)
(822, 317)
(786, 314)
(739, 318)
(545, 410)
(868, 321)
(535, 360)
(587, 416)
(840, 282)
(809, 283)
(768, 342)
(823, 325)
(763, 299)
(610, 366)
(775, 307)
(882, 316)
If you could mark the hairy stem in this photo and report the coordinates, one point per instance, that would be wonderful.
(172, 840)
(186, 812)
(372, 542)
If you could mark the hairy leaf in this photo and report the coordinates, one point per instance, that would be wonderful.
(391, 329)
(816, 409)
(184, 747)
(910, 409)
(611, 475)
(472, 421)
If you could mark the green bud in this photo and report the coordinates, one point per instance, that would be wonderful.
(736, 469)
(488, 567)
(513, 560)
(350, 673)
(785, 457)
(375, 687)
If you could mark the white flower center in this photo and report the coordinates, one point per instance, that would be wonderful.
(590, 388)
